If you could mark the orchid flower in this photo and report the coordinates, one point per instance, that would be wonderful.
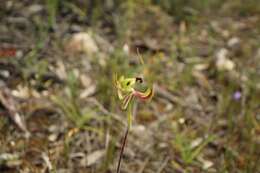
(126, 92)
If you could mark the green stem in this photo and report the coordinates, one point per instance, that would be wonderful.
(129, 115)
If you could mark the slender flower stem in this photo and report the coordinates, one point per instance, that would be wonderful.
(126, 92)
(122, 150)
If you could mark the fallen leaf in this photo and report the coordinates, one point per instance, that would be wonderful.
(92, 158)
(9, 103)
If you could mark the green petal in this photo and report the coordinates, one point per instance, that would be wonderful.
(126, 101)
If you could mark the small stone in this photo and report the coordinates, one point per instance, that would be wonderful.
(233, 42)
(181, 120)
(82, 42)
(126, 49)
(207, 164)
(52, 137)
(195, 143)
(223, 63)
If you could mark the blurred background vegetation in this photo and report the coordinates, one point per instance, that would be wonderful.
(202, 56)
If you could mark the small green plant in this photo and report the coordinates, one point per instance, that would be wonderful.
(126, 92)
(187, 152)
(52, 8)
(70, 105)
